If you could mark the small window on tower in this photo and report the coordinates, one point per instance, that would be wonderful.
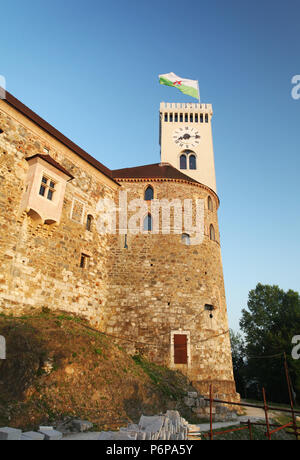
(186, 118)
(166, 117)
(210, 204)
(181, 117)
(185, 239)
(148, 223)
(84, 261)
(176, 117)
(171, 117)
(149, 193)
(196, 117)
(201, 117)
(192, 161)
(212, 234)
(206, 118)
(191, 117)
(89, 221)
(183, 162)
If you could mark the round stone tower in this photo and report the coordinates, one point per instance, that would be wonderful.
(167, 297)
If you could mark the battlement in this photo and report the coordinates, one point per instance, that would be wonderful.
(185, 107)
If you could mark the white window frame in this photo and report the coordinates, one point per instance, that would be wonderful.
(172, 352)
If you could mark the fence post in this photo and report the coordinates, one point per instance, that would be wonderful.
(210, 411)
(266, 415)
(291, 397)
(250, 430)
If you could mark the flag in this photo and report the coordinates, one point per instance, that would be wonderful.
(189, 87)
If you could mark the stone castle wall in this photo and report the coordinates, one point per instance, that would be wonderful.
(141, 293)
(40, 263)
(159, 285)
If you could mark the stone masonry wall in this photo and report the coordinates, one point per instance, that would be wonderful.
(159, 285)
(40, 263)
(139, 294)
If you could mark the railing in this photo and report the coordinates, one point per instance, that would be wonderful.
(249, 424)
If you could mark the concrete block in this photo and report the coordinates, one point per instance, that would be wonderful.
(10, 434)
(152, 423)
(173, 415)
(51, 434)
(116, 436)
(32, 436)
(105, 436)
(132, 427)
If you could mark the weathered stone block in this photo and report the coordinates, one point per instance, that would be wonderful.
(32, 436)
(190, 402)
(10, 434)
(153, 423)
(51, 434)
(82, 425)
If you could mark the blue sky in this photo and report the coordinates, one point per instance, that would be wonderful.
(87, 67)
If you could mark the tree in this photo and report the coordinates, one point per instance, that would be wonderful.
(238, 353)
(269, 324)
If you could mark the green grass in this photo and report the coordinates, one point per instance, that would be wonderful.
(161, 377)
(271, 404)
(258, 434)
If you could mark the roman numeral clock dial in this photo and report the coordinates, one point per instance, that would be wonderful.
(186, 137)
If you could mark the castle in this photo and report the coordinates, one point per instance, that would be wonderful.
(157, 293)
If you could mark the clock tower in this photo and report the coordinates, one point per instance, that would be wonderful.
(186, 140)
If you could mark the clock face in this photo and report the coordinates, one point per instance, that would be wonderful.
(186, 137)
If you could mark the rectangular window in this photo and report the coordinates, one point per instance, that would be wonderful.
(166, 117)
(181, 117)
(196, 117)
(171, 117)
(176, 117)
(206, 118)
(201, 118)
(42, 190)
(180, 349)
(47, 185)
(191, 118)
(186, 119)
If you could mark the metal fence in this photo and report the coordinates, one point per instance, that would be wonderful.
(295, 430)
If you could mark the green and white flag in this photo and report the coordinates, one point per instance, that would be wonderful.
(189, 87)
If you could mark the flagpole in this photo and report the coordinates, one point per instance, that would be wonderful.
(198, 91)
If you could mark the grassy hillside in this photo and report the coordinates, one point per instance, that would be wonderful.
(57, 367)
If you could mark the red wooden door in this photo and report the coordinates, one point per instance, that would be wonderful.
(180, 349)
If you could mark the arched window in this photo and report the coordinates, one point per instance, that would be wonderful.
(185, 239)
(183, 162)
(89, 221)
(212, 234)
(192, 161)
(149, 193)
(148, 223)
(210, 204)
